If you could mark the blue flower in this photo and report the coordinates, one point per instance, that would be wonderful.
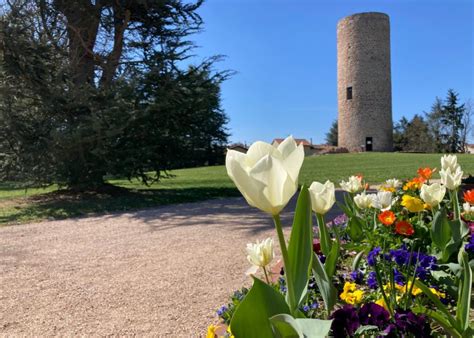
(314, 305)
(306, 308)
(372, 280)
(373, 255)
(398, 277)
(222, 310)
(469, 247)
(357, 276)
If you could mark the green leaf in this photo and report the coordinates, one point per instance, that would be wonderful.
(326, 288)
(286, 326)
(324, 237)
(356, 261)
(440, 306)
(440, 229)
(314, 328)
(464, 297)
(251, 318)
(354, 228)
(365, 328)
(300, 247)
(437, 317)
(331, 259)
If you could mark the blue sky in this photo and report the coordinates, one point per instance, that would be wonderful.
(284, 53)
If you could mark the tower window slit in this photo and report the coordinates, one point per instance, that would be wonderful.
(349, 93)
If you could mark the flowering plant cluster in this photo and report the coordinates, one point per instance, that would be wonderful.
(397, 262)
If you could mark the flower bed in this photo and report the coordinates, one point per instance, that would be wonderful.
(396, 263)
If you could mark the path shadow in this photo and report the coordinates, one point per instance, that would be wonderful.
(64, 204)
(235, 213)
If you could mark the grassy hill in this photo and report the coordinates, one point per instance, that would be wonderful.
(189, 185)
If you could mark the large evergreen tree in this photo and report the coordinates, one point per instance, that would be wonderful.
(452, 114)
(89, 88)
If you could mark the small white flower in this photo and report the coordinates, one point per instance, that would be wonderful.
(260, 254)
(363, 201)
(432, 194)
(392, 184)
(323, 197)
(382, 200)
(353, 184)
(468, 209)
(451, 179)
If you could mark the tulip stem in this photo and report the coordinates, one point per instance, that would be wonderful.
(286, 263)
(266, 275)
(455, 201)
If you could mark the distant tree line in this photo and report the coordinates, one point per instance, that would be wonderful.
(95, 88)
(445, 128)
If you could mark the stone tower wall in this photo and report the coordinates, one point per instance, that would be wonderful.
(363, 63)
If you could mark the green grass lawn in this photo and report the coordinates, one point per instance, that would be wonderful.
(18, 205)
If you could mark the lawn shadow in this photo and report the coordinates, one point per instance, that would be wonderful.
(65, 204)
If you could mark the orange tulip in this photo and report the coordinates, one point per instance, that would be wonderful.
(469, 196)
(387, 217)
(414, 184)
(426, 173)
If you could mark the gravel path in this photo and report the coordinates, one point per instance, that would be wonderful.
(160, 272)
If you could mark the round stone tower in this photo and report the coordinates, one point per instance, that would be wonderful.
(364, 83)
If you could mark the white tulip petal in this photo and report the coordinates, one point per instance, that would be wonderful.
(258, 150)
(251, 189)
(287, 147)
(293, 162)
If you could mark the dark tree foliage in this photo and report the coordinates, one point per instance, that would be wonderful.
(413, 136)
(90, 88)
(331, 135)
(435, 125)
(452, 114)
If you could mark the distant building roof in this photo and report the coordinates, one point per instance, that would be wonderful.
(298, 141)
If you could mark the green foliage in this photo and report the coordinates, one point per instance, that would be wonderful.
(300, 247)
(413, 136)
(252, 317)
(457, 325)
(331, 135)
(325, 285)
(452, 118)
(76, 105)
(288, 327)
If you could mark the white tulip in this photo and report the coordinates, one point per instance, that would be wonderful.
(392, 184)
(449, 162)
(451, 179)
(260, 254)
(267, 176)
(432, 194)
(323, 196)
(363, 201)
(468, 209)
(353, 185)
(382, 200)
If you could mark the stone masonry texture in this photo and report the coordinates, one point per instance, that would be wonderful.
(363, 63)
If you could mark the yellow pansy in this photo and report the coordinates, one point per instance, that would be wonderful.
(413, 204)
(211, 331)
(351, 295)
(438, 293)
